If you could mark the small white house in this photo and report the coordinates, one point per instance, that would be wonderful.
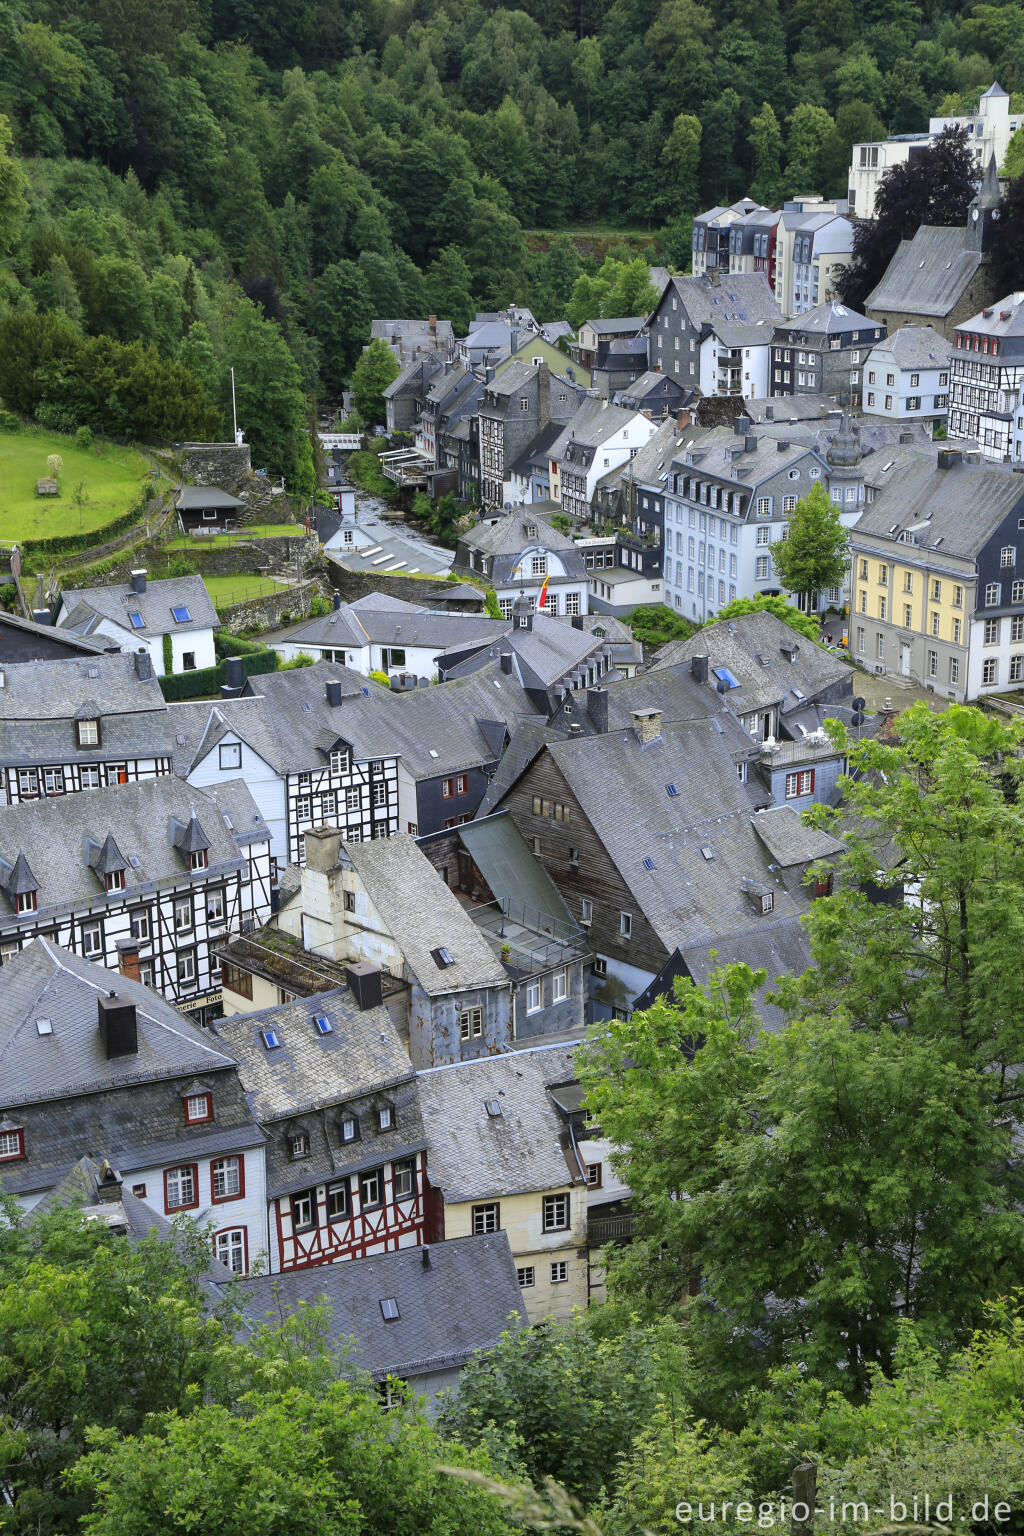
(906, 376)
(139, 614)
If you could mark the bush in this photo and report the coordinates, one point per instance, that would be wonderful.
(57, 418)
(9, 597)
(658, 625)
(9, 422)
(318, 606)
(302, 660)
(207, 680)
(83, 438)
(381, 678)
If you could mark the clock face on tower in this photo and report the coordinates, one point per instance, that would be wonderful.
(974, 215)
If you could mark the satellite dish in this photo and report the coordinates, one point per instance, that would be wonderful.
(858, 703)
(857, 718)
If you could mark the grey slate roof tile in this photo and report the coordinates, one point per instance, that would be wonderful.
(155, 604)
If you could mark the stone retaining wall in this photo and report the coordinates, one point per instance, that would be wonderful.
(267, 612)
(220, 464)
(356, 584)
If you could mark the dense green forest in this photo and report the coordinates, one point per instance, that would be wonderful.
(208, 182)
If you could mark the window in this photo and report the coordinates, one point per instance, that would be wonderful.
(230, 754)
(349, 1128)
(768, 901)
(338, 1202)
(352, 800)
(447, 789)
(198, 859)
(762, 567)
(880, 647)
(533, 997)
(12, 1144)
(954, 669)
(139, 926)
(53, 781)
(215, 906)
(799, 784)
(198, 1108)
(594, 1175)
(371, 1188)
(88, 733)
(471, 1023)
(526, 1277)
(117, 773)
(181, 1187)
(559, 986)
(1016, 668)
(991, 632)
(230, 1249)
(555, 1213)
(1017, 592)
(586, 911)
(486, 1218)
(936, 591)
(992, 594)
(764, 506)
(183, 915)
(958, 597)
(881, 608)
(304, 1210)
(1017, 627)
(227, 1178)
(186, 967)
(1007, 556)
(539, 565)
(339, 760)
(92, 939)
(883, 575)
(764, 535)
(933, 663)
(908, 616)
(957, 630)
(625, 925)
(404, 1178)
(559, 1272)
(990, 671)
(28, 783)
(600, 966)
(385, 1118)
(89, 776)
(188, 661)
(460, 787)
(908, 581)
(234, 979)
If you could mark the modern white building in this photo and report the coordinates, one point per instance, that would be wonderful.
(141, 614)
(814, 243)
(906, 376)
(989, 130)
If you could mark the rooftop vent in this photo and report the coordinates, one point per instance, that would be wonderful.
(493, 1108)
(707, 853)
(442, 958)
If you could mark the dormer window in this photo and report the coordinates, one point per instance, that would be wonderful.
(385, 1118)
(114, 880)
(12, 1141)
(198, 1108)
(339, 760)
(768, 901)
(298, 1144)
(26, 901)
(88, 732)
(198, 859)
(349, 1128)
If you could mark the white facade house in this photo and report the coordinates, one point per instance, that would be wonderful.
(814, 243)
(139, 615)
(987, 379)
(381, 633)
(989, 131)
(727, 358)
(600, 439)
(906, 376)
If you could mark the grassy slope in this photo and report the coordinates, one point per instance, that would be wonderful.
(226, 590)
(112, 479)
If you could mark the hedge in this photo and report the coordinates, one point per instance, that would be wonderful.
(234, 645)
(207, 680)
(74, 543)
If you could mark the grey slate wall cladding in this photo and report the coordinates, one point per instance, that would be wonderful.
(826, 776)
(434, 1026)
(433, 808)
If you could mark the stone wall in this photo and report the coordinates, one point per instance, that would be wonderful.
(356, 584)
(275, 557)
(220, 464)
(266, 612)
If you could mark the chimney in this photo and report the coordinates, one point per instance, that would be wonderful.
(740, 425)
(750, 444)
(108, 1186)
(337, 601)
(323, 847)
(597, 709)
(647, 725)
(577, 621)
(128, 959)
(119, 1030)
(334, 692)
(699, 668)
(714, 277)
(769, 413)
(783, 445)
(365, 982)
(506, 663)
(949, 457)
(234, 681)
(791, 652)
(42, 616)
(575, 729)
(432, 322)
(139, 582)
(425, 1257)
(143, 665)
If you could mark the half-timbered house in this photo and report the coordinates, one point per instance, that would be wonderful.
(146, 878)
(78, 724)
(332, 1086)
(98, 1067)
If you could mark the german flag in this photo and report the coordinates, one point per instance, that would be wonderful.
(543, 593)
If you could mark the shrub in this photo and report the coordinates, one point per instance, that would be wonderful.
(56, 418)
(318, 606)
(9, 422)
(168, 654)
(8, 597)
(302, 660)
(207, 680)
(83, 438)
(381, 678)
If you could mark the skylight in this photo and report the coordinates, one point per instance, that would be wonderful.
(307, 706)
(708, 853)
(493, 1108)
(44, 1026)
(389, 1309)
(181, 616)
(270, 1039)
(138, 622)
(442, 958)
(323, 1024)
(725, 676)
(648, 864)
(671, 789)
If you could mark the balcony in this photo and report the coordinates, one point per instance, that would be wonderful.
(525, 939)
(634, 540)
(610, 1229)
(281, 958)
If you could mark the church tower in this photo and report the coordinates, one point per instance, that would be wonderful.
(983, 214)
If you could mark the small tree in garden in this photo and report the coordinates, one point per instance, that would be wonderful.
(54, 465)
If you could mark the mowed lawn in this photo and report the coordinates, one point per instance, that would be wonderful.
(225, 591)
(112, 480)
(227, 540)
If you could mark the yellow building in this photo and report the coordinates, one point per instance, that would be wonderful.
(501, 1158)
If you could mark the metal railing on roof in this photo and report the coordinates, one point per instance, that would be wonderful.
(305, 976)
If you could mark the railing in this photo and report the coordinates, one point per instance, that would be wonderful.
(347, 442)
(304, 976)
(639, 540)
(609, 1229)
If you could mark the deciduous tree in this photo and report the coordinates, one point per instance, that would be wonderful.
(815, 555)
(373, 373)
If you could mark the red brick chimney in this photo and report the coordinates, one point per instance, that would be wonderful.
(128, 959)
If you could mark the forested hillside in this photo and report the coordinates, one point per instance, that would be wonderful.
(209, 182)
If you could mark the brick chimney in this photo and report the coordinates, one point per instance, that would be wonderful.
(139, 581)
(128, 959)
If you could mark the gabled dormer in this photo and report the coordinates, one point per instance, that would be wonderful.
(107, 862)
(192, 843)
(88, 724)
(20, 884)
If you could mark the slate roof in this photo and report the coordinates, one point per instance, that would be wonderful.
(828, 319)
(928, 273)
(357, 625)
(740, 300)
(423, 914)
(43, 980)
(451, 726)
(478, 1156)
(650, 381)
(539, 450)
(528, 739)
(58, 837)
(54, 690)
(687, 897)
(114, 603)
(454, 1299)
(931, 501)
(673, 690)
(738, 644)
(789, 840)
(197, 498)
(1006, 318)
(362, 1054)
(80, 645)
(542, 657)
(915, 347)
(506, 384)
(746, 469)
(632, 323)
(507, 534)
(304, 736)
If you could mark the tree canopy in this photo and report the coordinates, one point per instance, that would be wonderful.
(815, 555)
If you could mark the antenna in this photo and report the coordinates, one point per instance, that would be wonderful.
(234, 413)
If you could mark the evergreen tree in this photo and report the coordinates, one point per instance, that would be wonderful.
(766, 152)
(372, 374)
